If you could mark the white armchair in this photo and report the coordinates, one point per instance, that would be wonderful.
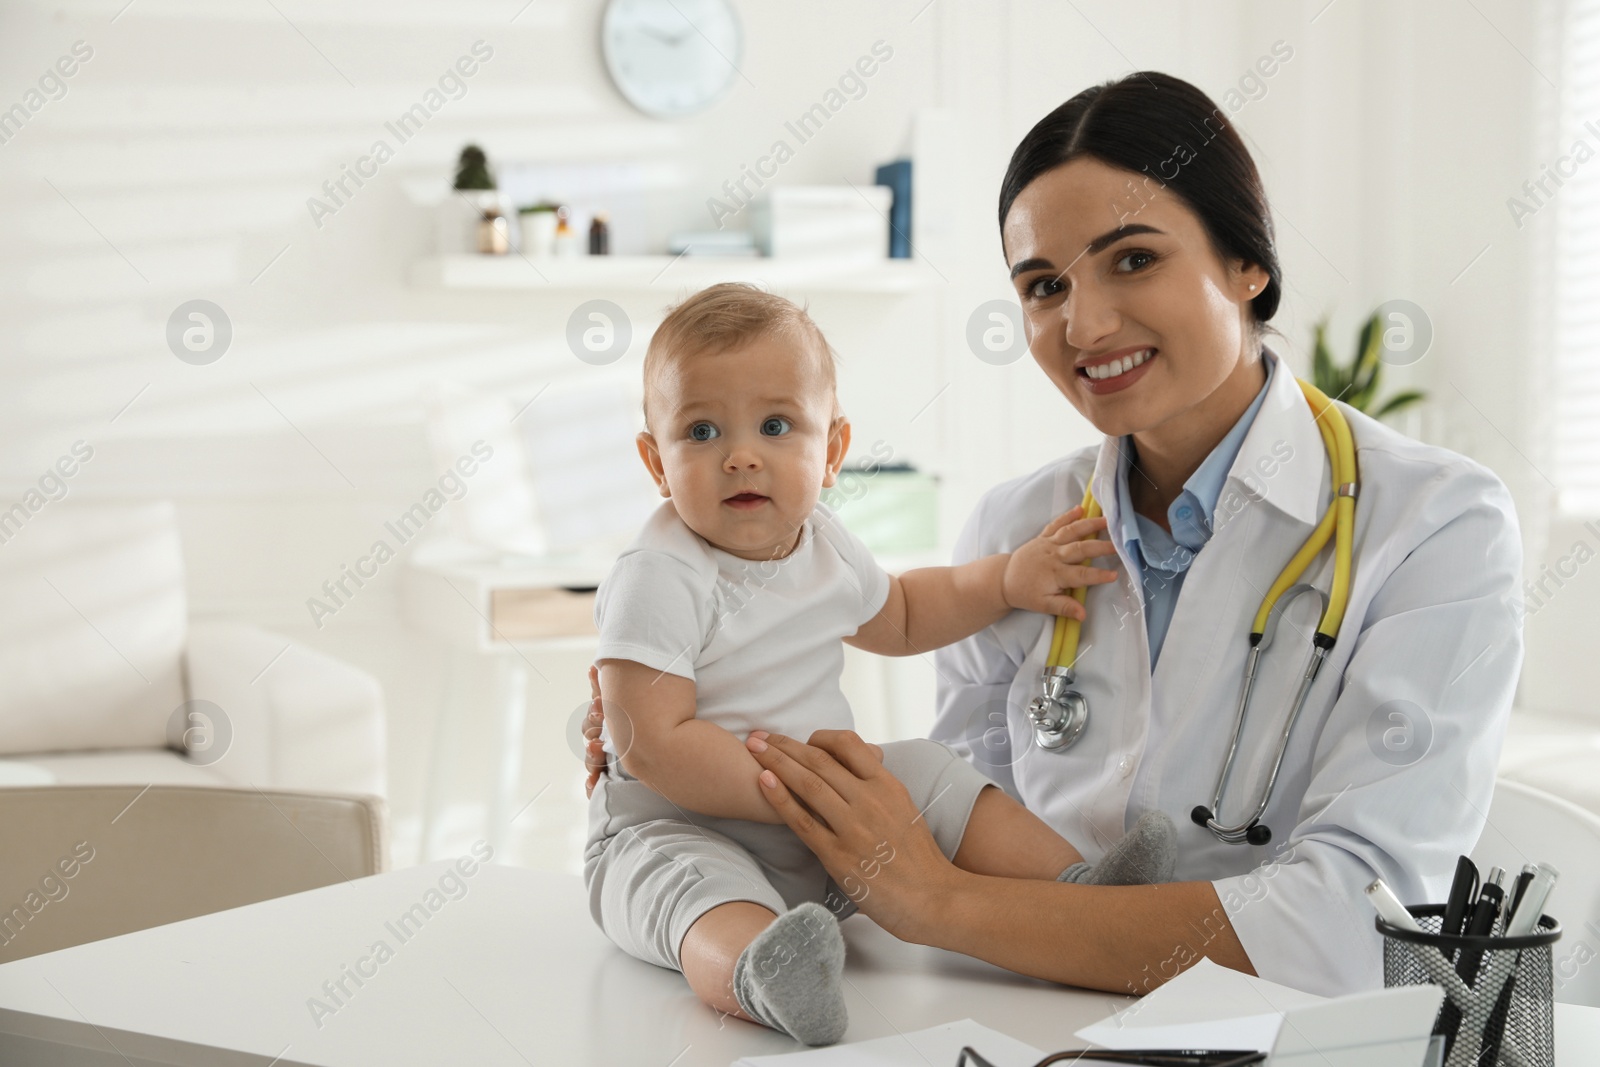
(99, 665)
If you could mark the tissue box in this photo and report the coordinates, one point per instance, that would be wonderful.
(823, 221)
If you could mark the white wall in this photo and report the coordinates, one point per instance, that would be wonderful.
(179, 163)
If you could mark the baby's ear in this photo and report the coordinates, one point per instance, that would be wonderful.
(838, 445)
(651, 455)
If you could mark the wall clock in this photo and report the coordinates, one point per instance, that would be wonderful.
(671, 57)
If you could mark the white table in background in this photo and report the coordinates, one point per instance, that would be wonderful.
(484, 604)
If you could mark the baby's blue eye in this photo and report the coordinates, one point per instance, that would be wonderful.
(703, 431)
(776, 425)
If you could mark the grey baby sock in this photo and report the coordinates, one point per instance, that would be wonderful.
(1145, 856)
(791, 976)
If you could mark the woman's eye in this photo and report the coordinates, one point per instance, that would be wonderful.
(703, 431)
(1147, 256)
(1045, 287)
(776, 425)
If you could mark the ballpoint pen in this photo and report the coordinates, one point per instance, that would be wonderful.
(1525, 917)
(1528, 871)
(1481, 924)
(1461, 891)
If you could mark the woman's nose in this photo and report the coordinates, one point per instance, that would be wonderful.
(1088, 317)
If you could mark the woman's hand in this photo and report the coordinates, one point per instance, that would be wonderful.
(1040, 574)
(594, 757)
(859, 820)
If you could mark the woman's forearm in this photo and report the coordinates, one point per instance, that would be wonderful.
(1123, 939)
(703, 768)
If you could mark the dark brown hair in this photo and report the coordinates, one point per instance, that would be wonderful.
(1145, 123)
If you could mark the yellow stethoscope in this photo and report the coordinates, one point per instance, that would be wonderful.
(1060, 713)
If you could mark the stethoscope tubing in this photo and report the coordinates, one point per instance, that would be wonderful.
(1060, 715)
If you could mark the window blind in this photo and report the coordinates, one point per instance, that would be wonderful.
(1577, 253)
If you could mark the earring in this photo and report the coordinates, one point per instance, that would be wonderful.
(1252, 287)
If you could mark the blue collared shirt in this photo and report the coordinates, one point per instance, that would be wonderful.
(1163, 558)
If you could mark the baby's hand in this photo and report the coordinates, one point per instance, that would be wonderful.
(1041, 574)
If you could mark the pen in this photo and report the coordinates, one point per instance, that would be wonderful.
(1461, 890)
(1528, 871)
(1482, 922)
(1526, 916)
(1389, 907)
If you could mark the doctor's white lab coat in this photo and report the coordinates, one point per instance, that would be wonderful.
(1390, 767)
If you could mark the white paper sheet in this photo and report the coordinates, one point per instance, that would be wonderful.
(938, 1045)
(1213, 1007)
(1207, 1006)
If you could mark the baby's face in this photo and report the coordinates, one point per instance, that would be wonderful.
(743, 445)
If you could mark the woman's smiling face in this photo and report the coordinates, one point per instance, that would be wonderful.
(1127, 307)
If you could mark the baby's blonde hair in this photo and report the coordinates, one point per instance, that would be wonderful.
(726, 314)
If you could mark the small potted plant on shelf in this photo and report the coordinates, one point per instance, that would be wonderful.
(472, 216)
(539, 229)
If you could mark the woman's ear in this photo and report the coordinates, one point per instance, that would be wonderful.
(838, 445)
(1249, 279)
(652, 461)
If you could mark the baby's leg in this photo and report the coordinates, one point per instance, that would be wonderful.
(713, 945)
(685, 896)
(1005, 839)
(783, 971)
(984, 831)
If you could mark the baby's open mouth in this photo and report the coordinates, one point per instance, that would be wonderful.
(745, 500)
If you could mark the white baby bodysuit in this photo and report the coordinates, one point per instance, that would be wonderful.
(761, 639)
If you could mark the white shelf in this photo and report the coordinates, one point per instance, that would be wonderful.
(669, 274)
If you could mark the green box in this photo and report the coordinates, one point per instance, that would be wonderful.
(891, 508)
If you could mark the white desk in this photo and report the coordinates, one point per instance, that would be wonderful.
(513, 972)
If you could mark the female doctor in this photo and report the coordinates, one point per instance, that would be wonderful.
(1140, 245)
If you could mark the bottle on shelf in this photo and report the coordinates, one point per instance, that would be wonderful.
(566, 237)
(599, 235)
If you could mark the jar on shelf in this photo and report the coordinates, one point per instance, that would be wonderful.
(566, 236)
(539, 229)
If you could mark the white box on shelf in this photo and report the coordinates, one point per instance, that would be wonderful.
(839, 222)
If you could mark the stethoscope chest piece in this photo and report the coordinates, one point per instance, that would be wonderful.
(1060, 713)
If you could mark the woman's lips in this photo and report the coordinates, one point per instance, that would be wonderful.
(1116, 383)
(746, 501)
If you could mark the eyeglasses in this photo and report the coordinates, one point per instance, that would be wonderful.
(1147, 1057)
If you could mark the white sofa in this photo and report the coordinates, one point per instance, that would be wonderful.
(100, 669)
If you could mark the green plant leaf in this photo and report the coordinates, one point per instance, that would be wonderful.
(1322, 372)
(1367, 367)
(1398, 402)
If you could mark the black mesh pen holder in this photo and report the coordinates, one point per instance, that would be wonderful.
(1503, 1011)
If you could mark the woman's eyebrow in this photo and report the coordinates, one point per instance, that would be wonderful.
(1097, 245)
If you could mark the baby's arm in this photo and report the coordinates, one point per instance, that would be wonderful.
(932, 607)
(695, 764)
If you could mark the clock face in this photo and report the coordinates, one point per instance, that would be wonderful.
(671, 57)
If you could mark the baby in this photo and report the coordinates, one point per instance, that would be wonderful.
(726, 615)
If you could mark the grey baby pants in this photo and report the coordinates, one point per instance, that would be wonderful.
(652, 869)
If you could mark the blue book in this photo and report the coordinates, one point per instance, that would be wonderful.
(897, 176)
